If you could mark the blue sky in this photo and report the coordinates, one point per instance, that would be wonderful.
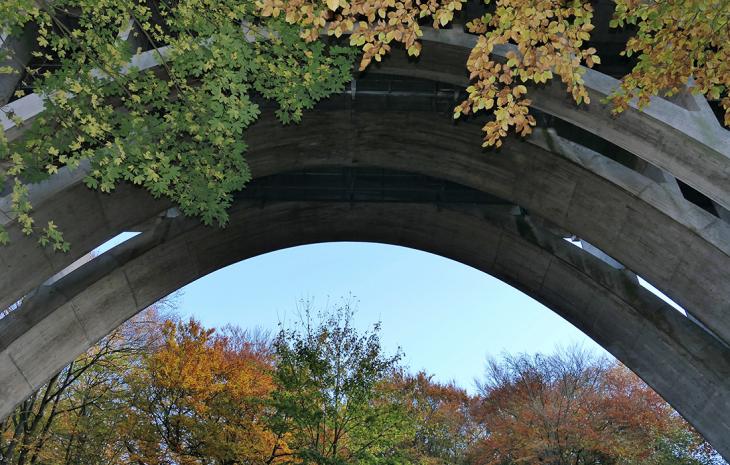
(446, 317)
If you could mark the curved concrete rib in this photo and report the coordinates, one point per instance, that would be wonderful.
(691, 145)
(676, 246)
(681, 362)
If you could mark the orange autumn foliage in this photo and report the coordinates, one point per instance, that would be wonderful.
(163, 393)
(202, 395)
(570, 410)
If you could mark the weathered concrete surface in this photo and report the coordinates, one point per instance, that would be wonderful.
(663, 238)
(91, 219)
(685, 365)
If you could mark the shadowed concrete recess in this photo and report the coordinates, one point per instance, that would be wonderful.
(508, 218)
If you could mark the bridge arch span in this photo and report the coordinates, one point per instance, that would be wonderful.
(666, 349)
(564, 188)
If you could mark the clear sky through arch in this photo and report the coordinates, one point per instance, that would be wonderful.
(447, 317)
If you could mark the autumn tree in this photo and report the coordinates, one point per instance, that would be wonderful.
(160, 391)
(332, 395)
(573, 409)
(444, 427)
(679, 45)
(201, 399)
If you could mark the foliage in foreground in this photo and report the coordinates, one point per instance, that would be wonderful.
(178, 129)
(167, 392)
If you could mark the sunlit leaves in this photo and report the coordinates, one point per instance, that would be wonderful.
(200, 398)
(678, 44)
(545, 37)
(178, 130)
(373, 25)
(548, 36)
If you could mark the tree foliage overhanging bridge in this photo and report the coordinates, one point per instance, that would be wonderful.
(377, 156)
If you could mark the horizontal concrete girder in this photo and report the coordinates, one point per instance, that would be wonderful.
(681, 362)
(675, 245)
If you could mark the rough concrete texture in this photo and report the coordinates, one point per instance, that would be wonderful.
(686, 365)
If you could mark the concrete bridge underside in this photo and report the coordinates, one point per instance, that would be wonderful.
(675, 356)
(504, 213)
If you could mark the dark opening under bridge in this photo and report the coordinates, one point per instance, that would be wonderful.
(384, 162)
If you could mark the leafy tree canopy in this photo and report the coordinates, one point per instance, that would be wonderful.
(178, 129)
(333, 395)
(160, 391)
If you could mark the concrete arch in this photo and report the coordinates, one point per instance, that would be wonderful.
(677, 246)
(682, 362)
(654, 233)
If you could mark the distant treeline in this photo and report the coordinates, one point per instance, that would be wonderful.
(161, 391)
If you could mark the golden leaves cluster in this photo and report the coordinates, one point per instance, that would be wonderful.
(203, 364)
(543, 38)
(372, 25)
(677, 41)
(205, 391)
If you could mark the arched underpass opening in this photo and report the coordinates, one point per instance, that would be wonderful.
(680, 360)
(446, 317)
(136, 400)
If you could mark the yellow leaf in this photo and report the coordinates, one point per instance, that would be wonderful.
(519, 90)
(445, 18)
(333, 4)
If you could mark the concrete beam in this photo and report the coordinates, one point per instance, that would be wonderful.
(685, 365)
